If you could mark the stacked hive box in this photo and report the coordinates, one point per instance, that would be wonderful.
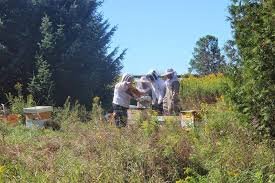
(37, 116)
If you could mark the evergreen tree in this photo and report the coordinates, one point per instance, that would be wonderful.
(70, 36)
(254, 87)
(232, 53)
(207, 57)
(41, 85)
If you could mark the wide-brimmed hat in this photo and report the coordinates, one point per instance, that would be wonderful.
(168, 72)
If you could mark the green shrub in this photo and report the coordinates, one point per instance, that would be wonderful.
(97, 111)
(253, 81)
(18, 103)
(229, 149)
(70, 114)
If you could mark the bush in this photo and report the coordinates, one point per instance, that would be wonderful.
(254, 84)
(18, 103)
(229, 149)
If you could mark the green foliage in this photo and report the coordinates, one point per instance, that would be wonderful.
(41, 85)
(197, 90)
(82, 153)
(254, 84)
(229, 149)
(207, 57)
(69, 114)
(232, 54)
(222, 149)
(150, 126)
(46, 28)
(18, 103)
(97, 111)
(72, 37)
(4, 131)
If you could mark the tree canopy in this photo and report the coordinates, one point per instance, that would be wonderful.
(66, 42)
(254, 83)
(207, 57)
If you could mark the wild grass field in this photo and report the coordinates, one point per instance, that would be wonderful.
(223, 148)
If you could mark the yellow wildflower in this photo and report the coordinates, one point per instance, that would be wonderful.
(2, 169)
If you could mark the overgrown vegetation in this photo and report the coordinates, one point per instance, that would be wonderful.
(94, 151)
(195, 90)
(18, 102)
(229, 149)
(222, 149)
(254, 79)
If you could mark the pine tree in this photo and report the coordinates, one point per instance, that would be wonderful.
(71, 36)
(207, 57)
(41, 85)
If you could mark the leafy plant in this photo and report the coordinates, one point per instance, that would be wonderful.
(18, 103)
(253, 81)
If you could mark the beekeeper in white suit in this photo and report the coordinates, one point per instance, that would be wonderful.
(171, 99)
(144, 86)
(124, 91)
(158, 90)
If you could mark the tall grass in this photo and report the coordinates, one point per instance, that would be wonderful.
(89, 149)
(94, 151)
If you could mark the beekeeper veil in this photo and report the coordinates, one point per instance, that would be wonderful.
(127, 77)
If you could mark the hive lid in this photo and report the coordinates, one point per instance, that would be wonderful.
(38, 109)
(189, 111)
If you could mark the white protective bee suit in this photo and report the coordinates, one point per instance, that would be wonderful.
(171, 98)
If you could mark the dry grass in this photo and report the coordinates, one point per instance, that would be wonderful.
(89, 153)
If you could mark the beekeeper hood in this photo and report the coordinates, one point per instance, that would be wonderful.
(174, 76)
(169, 72)
(127, 77)
(152, 75)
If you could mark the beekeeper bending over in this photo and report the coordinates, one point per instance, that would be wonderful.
(124, 91)
(144, 86)
(158, 90)
(171, 98)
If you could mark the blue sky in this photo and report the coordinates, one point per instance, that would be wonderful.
(162, 34)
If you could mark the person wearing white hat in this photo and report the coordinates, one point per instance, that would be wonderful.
(158, 90)
(171, 99)
(124, 91)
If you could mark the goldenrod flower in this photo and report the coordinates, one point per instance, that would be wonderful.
(2, 169)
